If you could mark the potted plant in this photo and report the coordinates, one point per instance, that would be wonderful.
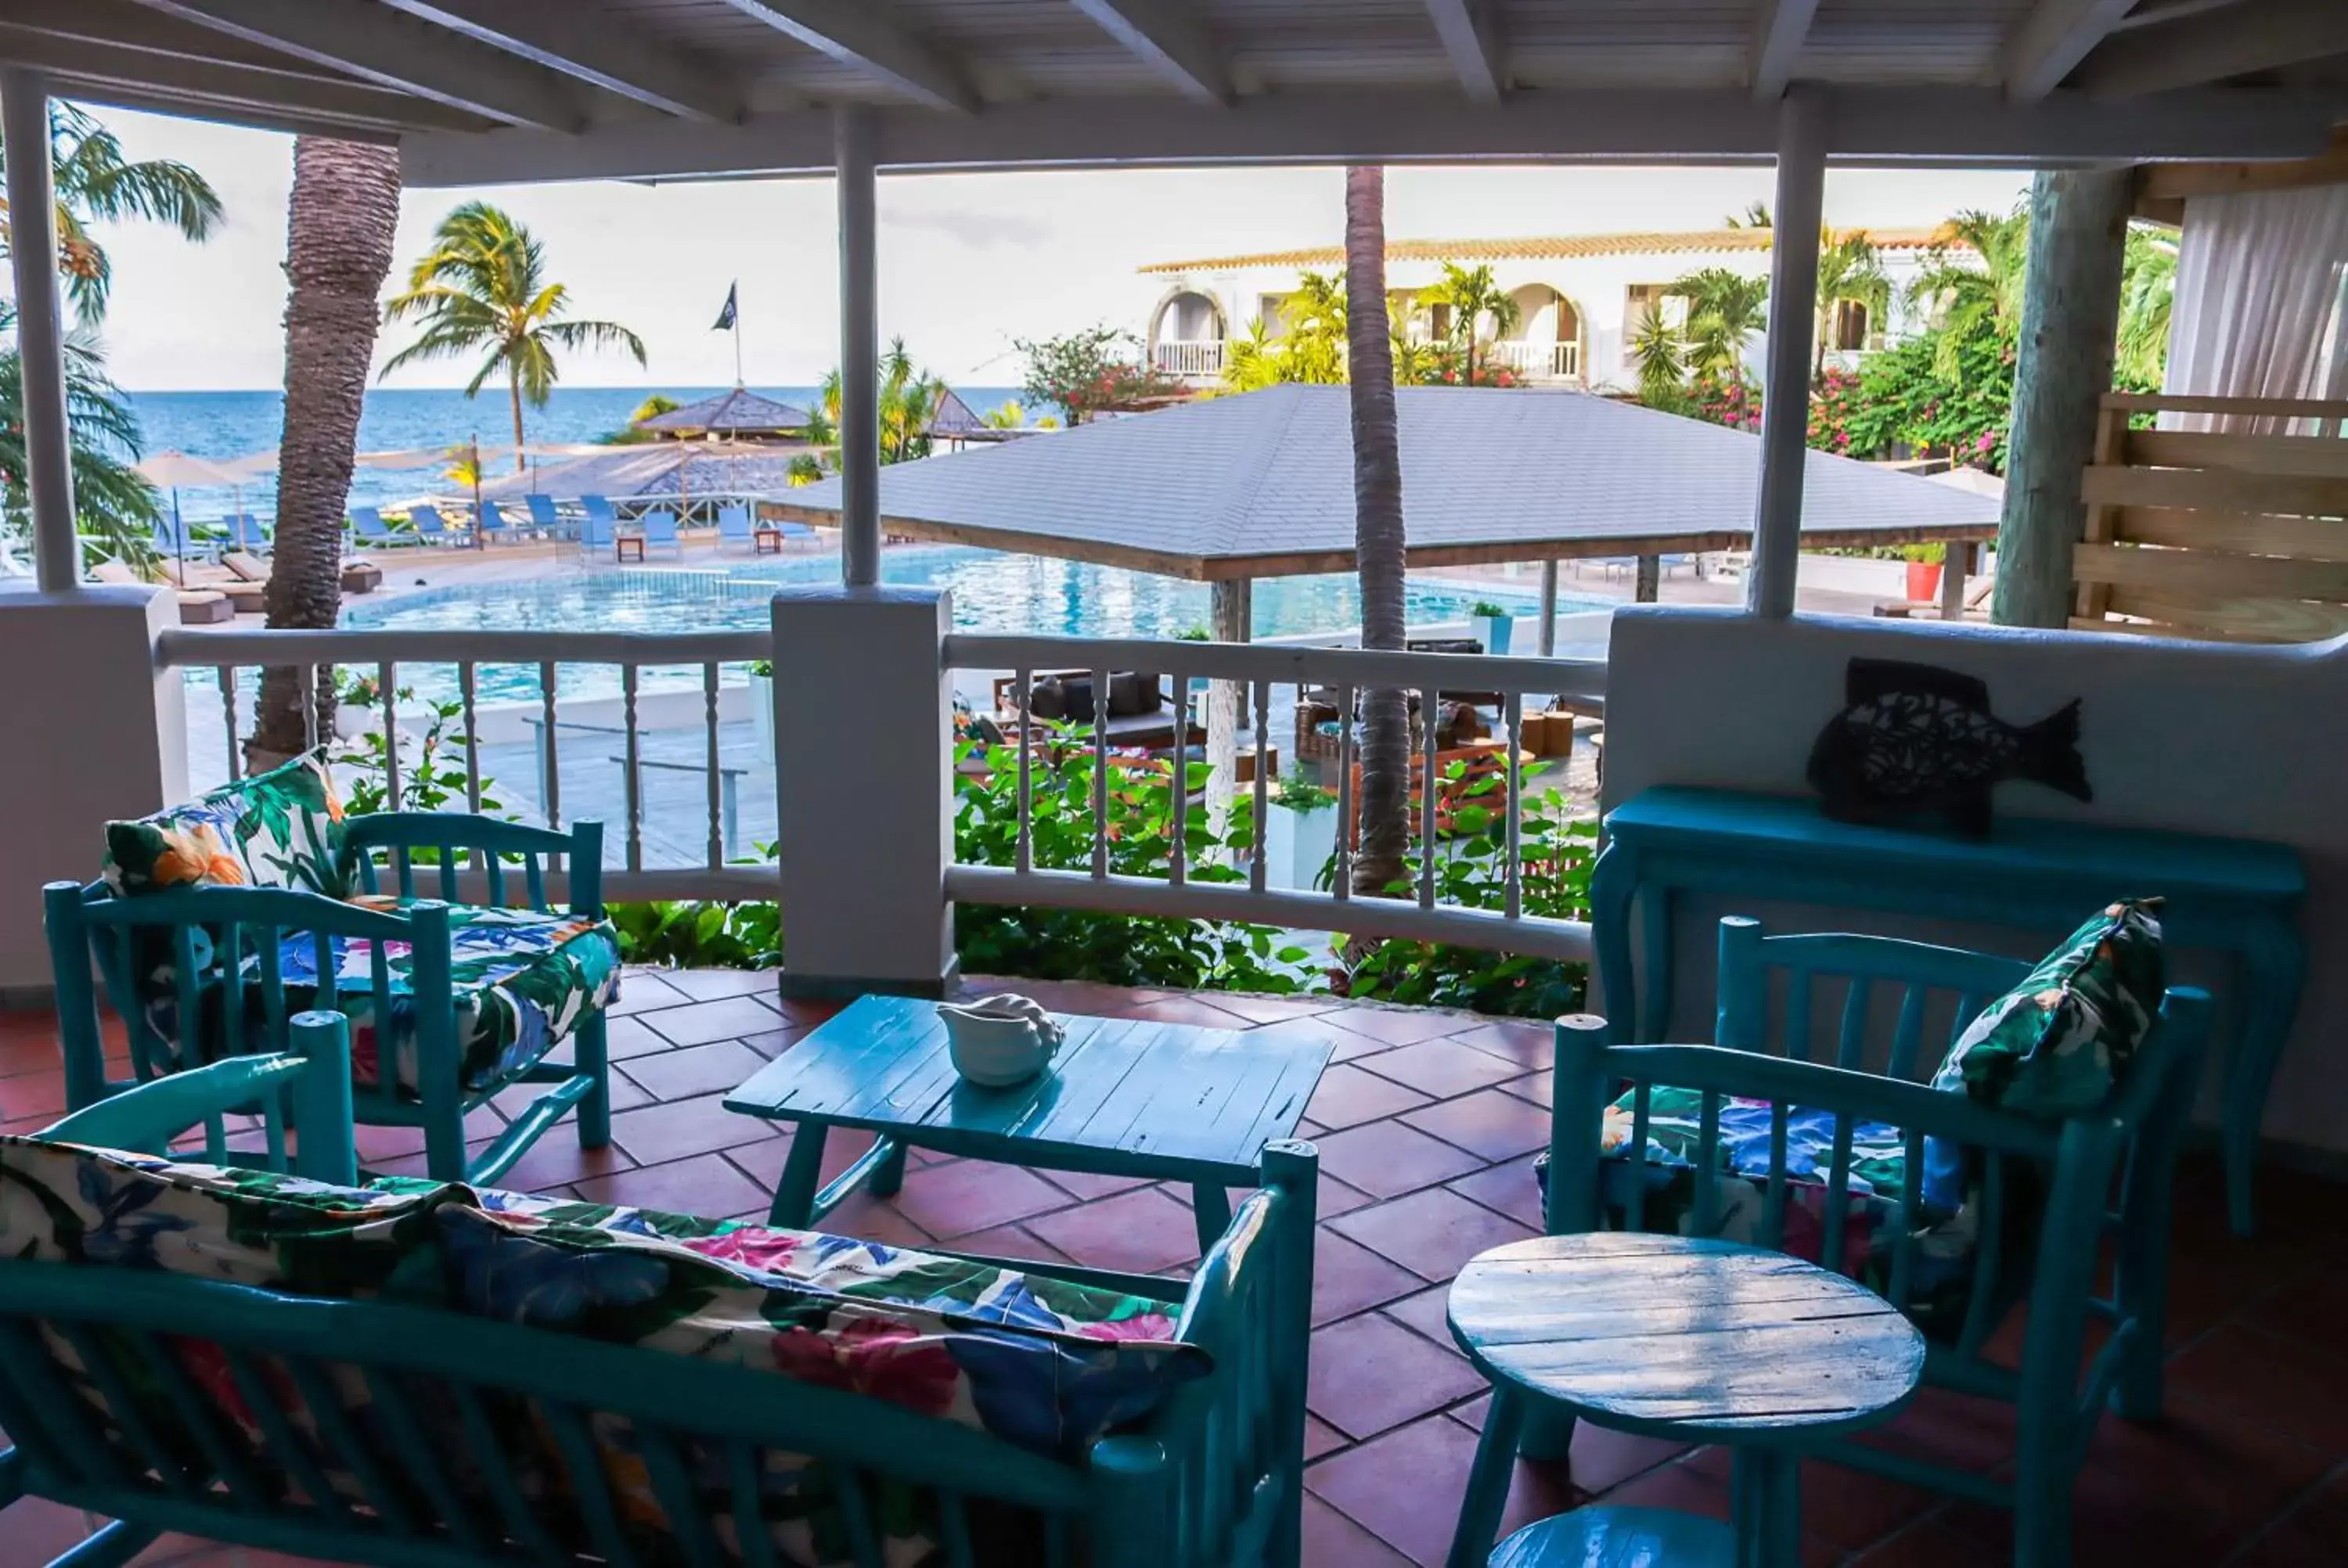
(762, 705)
(1493, 625)
(1924, 563)
(354, 699)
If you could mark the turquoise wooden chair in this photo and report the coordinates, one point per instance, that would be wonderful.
(472, 1003)
(357, 1428)
(1846, 1160)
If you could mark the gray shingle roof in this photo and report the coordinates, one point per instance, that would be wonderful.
(1262, 482)
(738, 410)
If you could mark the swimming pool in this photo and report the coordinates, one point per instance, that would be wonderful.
(993, 593)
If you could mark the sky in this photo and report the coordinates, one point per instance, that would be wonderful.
(968, 262)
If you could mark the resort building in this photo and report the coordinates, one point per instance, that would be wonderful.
(1580, 298)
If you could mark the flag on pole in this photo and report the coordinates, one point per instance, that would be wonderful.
(726, 317)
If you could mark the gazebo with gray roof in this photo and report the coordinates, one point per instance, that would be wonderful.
(738, 415)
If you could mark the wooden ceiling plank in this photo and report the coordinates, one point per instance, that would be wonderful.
(375, 45)
(1472, 40)
(857, 34)
(2259, 36)
(1169, 39)
(1779, 31)
(596, 47)
(2053, 40)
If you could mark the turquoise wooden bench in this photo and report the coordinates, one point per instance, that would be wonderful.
(2234, 896)
(217, 922)
(1837, 1159)
(142, 1379)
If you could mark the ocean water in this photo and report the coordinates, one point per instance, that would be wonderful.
(225, 425)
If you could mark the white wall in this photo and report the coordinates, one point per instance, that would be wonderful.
(2231, 740)
(93, 731)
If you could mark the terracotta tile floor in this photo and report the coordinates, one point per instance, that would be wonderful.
(1424, 1129)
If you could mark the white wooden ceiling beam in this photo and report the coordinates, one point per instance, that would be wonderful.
(84, 69)
(1472, 40)
(377, 45)
(1779, 30)
(1168, 38)
(859, 33)
(2260, 36)
(595, 46)
(1948, 126)
(2051, 42)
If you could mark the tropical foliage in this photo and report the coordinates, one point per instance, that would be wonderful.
(1850, 272)
(1471, 297)
(908, 399)
(117, 509)
(95, 184)
(483, 287)
(1097, 369)
(631, 434)
(1725, 310)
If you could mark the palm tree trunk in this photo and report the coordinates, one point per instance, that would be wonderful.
(514, 390)
(1378, 544)
(338, 233)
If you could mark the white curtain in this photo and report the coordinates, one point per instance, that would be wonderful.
(2261, 301)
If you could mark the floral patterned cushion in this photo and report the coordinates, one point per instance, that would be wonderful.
(2057, 1043)
(523, 980)
(272, 830)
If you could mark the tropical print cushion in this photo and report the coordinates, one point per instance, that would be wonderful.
(272, 830)
(524, 980)
(1039, 1362)
(2057, 1043)
(1876, 1215)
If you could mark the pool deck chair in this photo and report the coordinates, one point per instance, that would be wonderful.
(792, 530)
(493, 527)
(247, 532)
(734, 527)
(430, 526)
(368, 530)
(598, 527)
(546, 517)
(659, 530)
(173, 537)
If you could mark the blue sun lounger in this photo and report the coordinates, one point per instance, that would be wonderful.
(247, 532)
(734, 527)
(430, 526)
(599, 527)
(494, 528)
(659, 530)
(368, 528)
(546, 517)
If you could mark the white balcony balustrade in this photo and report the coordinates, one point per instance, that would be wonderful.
(1539, 361)
(1189, 357)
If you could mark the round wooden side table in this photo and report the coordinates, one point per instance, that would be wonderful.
(1702, 1341)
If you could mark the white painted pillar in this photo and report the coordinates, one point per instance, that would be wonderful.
(1549, 609)
(1231, 615)
(1786, 380)
(41, 331)
(860, 349)
(864, 789)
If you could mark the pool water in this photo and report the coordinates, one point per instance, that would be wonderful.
(993, 593)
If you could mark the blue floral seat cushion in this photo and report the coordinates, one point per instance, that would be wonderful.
(523, 982)
(1876, 1214)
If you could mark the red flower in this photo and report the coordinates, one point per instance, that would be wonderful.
(865, 1356)
(752, 1246)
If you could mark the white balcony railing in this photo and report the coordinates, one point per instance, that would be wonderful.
(1189, 357)
(661, 736)
(1539, 361)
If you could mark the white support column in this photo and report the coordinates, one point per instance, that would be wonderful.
(1231, 614)
(41, 331)
(1786, 380)
(860, 349)
(864, 790)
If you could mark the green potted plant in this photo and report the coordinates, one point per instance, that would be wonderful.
(762, 705)
(1493, 625)
(1924, 562)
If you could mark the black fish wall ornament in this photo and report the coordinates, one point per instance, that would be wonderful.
(1915, 740)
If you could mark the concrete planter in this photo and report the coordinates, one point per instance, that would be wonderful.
(1493, 631)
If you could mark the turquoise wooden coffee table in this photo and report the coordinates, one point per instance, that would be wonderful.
(1158, 1102)
(2237, 896)
(1672, 1336)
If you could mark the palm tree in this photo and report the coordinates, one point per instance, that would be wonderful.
(483, 286)
(1380, 549)
(1661, 357)
(1314, 349)
(2147, 294)
(1005, 417)
(338, 234)
(95, 184)
(1415, 362)
(1849, 271)
(112, 503)
(1724, 309)
(1964, 296)
(908, 402)
(1756, 216)
(1471, 294)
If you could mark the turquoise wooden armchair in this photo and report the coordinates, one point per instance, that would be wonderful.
(168, 1392)
(451, 1003)
(1959, 1213)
